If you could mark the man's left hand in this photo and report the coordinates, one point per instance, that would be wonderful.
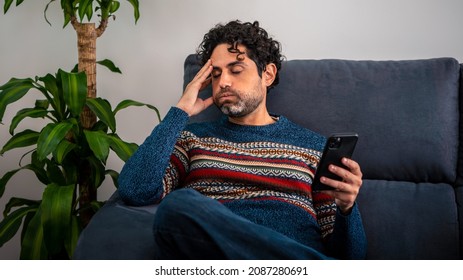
(345, 191)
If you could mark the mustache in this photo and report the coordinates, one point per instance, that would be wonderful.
(227, 91)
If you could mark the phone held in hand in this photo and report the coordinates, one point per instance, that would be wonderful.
(337, 146)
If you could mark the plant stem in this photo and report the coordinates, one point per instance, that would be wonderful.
(86, 46)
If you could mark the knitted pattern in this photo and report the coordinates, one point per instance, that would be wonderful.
(229, 171)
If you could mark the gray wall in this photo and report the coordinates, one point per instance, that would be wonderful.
(151, 53)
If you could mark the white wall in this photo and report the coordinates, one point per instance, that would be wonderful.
(151, 53)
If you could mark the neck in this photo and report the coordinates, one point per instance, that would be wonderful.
(254, 119)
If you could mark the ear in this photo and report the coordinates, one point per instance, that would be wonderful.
(269, 74)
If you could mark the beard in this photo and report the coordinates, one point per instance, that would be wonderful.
(245, 104)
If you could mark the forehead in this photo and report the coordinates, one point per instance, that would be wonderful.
(222, 57)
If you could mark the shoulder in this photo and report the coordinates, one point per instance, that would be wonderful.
(200, 126)
(301, 136)
(203, 129)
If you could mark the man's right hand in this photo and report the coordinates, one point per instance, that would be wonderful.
(190, 102)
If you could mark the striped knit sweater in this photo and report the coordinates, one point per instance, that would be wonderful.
(263, 173)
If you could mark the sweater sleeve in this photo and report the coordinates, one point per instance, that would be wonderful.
(141, 180)
(348, 239)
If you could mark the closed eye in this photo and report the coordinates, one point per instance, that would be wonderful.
(236, 70)
(216, 73)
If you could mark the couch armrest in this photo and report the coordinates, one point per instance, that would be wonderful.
(118, 232)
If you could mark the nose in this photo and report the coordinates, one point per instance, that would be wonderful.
(224, 80)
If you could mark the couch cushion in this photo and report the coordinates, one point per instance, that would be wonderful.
(405, 220)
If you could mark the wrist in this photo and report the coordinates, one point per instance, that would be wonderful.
(345, 210)
(179, 106)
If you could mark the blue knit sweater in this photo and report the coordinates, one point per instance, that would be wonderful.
(263, 173)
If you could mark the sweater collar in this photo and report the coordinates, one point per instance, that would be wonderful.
(280, 120)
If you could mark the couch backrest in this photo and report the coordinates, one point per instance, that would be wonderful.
(407, 116)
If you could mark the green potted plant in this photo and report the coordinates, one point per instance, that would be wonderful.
(69, 154)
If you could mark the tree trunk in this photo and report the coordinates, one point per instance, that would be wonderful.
(87, 35)
(86, 46)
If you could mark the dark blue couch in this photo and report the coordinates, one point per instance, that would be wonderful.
(407, 114)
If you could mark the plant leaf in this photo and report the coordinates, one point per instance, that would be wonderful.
(50, 137)
(104, 7)
(99, 144)
(72, 236)
(70, 170)
(55, 174)
(102, 110)
(33, 245)
(22, 139)
(7, 5)
(110, 65)
(98, 171)
(11, 223)
(114, 6)
(96, 205)
(136, 11)
(13, 82)
(74, 90)
(19, 2)
(83, 8)
(5, 180)
(24, 113)
(17, 202)
(51, 85)
(75, 69)
(99, 125)
(123, 149)
(56, 215)
(12, 91)
(39, 172)
(42, 104)
(89, 12)
(114, 175)
(68, 11)
(61, 151)
(35, 160)
(127, 103)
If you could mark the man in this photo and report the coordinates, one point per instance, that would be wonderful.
(240, 187)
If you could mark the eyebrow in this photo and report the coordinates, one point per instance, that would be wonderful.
(231, 64)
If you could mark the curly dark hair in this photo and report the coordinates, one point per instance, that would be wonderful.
(260, 48)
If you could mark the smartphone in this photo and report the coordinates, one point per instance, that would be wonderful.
(337, 146)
